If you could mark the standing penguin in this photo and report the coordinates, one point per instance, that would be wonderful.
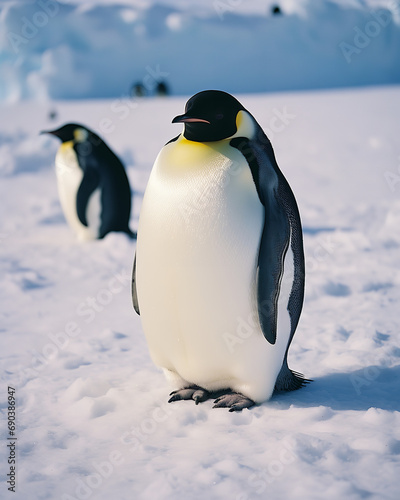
(218, 277)
(92, 184)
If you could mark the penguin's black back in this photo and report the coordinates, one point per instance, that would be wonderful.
(103, 169)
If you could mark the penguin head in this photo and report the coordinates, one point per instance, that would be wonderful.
(70, 132)
(210, 115)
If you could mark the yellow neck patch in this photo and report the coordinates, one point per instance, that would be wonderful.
(184, 153)
(66, 145)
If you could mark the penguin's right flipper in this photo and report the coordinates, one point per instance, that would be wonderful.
(134, 291)
(89, 184)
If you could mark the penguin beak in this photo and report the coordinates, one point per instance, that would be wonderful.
(188, 119)
(47, 132)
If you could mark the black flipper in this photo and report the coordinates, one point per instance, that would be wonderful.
(273, 247)
(281, 225)
(134, 291)
(89, 184)
(103, 169)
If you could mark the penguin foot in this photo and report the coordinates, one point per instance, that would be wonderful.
(234, 401)
(196, 393)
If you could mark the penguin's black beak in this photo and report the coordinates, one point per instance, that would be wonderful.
(47, 132)
(188, 119)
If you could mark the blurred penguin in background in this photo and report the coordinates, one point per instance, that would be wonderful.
(92, 183)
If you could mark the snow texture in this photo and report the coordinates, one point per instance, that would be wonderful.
(93, 418)
(92, 414)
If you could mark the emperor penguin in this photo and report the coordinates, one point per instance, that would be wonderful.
(92, 184)
(218, 275)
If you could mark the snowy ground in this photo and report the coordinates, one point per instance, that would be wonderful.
(93, 421)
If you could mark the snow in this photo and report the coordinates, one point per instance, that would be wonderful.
(93, 419)
(73, 49)
(92, 414)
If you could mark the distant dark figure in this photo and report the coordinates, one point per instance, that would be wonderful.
(138, 90)
(52, 114)
(162, 89)
(276, 10)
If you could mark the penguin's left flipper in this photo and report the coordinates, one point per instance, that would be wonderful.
(234, 401)
(89, 184)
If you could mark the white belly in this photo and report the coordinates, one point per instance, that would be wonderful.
(69, 178)
(198, 238)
